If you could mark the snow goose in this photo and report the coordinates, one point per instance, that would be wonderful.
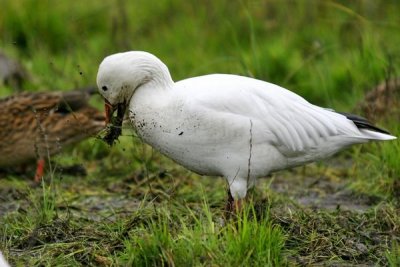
(224, 125)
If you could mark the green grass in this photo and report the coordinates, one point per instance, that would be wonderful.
(379, 171)
(198, 240)
(138, 208)
(393, 256)
(158, 232)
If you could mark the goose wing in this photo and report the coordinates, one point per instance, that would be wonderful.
(294, 124)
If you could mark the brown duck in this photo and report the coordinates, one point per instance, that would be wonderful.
(34, 126)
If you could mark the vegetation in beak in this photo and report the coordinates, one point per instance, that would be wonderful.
(113, 127)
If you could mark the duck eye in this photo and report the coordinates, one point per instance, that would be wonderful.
(104, 88)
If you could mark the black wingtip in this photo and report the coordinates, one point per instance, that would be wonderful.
(363, 123)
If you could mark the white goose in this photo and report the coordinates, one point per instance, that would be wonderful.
(225, 125)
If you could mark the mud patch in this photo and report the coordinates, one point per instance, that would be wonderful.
(13, 200)
(328, 191)
(321, 193)
(99, 207)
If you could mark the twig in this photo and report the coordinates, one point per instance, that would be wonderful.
(250, 151)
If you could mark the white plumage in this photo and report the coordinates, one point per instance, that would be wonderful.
(225, 125)
(3, 262)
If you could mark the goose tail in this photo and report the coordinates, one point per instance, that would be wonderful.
(373, 135)
(369, 130)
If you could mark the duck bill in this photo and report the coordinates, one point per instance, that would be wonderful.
(109, 111)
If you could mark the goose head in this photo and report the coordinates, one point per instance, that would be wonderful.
(120, 75)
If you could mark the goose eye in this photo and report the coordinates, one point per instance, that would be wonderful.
(104, 88)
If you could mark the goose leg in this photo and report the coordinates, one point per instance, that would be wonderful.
(235, 201)
(39, 170)
(229, 204)
(233, 206)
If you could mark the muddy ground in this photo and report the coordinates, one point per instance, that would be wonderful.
(327, 223)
